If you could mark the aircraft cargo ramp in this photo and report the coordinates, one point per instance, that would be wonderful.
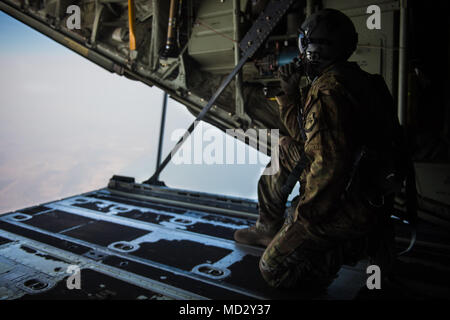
(135, 241)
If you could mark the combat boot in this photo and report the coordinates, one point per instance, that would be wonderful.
(254, 236)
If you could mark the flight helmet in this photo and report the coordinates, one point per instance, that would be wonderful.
(326, 37)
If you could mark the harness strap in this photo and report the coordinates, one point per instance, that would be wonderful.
(293, 177)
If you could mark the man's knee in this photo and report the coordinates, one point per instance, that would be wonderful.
(299, 270)
(274, 268)
(269, 274)
(279, 275)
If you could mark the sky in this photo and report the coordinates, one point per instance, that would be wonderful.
(67, 126)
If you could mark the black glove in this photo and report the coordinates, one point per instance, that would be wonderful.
(289, 76)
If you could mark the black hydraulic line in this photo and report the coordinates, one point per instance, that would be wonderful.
(161, 133)
(250, 43)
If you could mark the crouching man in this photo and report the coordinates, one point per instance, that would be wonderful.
(340, 215)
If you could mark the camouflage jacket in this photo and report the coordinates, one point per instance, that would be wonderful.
(332, 117)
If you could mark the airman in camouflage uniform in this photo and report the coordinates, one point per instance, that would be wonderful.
(324, 230)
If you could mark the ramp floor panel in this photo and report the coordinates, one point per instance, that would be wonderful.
(204, 289)
(104, 233)
(56, 221)
(140, 248)
(96, 286)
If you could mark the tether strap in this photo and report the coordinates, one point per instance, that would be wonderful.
(294, 176)
(411, 206)
(412, 241)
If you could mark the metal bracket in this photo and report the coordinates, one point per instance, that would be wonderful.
(240, 113)
(265, 23)
(98, 14)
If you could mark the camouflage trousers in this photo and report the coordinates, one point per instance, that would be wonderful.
(296, 258)
(271, 199)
